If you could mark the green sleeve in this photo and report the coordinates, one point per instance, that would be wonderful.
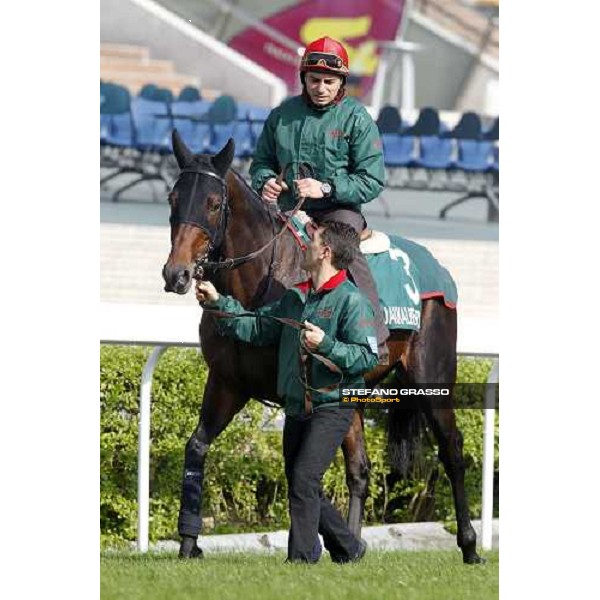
(264, 163)
(252, 329)
(365, 177)
(352, 351)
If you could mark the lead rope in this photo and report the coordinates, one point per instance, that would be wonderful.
(305, 353)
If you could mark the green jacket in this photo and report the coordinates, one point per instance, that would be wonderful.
(340, 310)
(341, 142)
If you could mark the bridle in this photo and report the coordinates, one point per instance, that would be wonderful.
(215, 239)
(194, 215)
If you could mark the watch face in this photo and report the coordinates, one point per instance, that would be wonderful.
(326, 188)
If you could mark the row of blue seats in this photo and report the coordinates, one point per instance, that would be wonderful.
(116, 99)
(435, 152)
(152, 133)
(146, 124)
(469, 127)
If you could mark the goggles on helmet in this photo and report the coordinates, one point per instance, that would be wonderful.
(323, 60)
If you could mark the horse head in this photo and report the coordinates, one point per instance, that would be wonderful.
(199, 211)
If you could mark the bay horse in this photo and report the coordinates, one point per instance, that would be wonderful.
(220, 224)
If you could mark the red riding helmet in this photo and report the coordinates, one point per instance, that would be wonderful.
(325, 55)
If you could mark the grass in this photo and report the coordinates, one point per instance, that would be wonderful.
(438, 575)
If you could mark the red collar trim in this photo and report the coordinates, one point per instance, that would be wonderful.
(330, 284)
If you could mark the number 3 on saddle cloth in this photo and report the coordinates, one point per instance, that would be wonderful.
(405, 273)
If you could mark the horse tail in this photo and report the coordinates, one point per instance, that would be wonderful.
(404, 440)
(406, 429)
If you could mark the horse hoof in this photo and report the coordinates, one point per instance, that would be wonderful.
(474, 559)
(190, 549)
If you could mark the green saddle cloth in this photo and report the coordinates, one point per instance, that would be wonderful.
(405, 274)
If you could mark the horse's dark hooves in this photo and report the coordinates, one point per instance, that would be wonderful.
(474, 559)
(190, 549)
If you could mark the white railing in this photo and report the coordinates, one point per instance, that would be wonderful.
(164, 326)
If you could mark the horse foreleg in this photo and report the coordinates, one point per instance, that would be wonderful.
(220, 404)
(450, 440)
(357, 471)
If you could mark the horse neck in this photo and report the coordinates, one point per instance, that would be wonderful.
(249, 228)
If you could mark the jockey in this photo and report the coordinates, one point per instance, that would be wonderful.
(337, 137)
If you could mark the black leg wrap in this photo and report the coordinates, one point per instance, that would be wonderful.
(190, 519)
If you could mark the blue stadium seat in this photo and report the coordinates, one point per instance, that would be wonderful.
(148, 91)
(258, 114)
(495, 159)
(219, 136)
(223, 110)
(244, 140)
(153, 125)
(493, 132)
(196, 108)
(120, 131)
(163, 95)
(467, 128)
(243, 110)
(434, 152)
(398, 150)
(473, 155)
(190, 120)
(389, 120)
(189, 94)
(104, 129)
(116, 125)
(481, 157)
(427, 123)
(104, 117)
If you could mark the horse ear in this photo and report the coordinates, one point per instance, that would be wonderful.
(182, 153)
(223, 160)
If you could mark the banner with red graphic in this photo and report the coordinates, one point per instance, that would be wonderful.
(358, 24)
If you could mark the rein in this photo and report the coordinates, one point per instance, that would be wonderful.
(233, 262)
(304, 356)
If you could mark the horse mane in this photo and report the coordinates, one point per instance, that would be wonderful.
(255, 199)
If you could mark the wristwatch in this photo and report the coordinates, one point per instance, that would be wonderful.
(326, 189)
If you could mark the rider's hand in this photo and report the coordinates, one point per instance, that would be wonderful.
(308, 188)
(312, 336)
(272, 189)
(206, 292)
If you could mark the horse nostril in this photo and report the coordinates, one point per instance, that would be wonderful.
(184, 277)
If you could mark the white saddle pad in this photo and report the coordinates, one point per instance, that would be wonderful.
(376, 243)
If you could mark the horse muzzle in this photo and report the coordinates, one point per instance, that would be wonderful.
(178, 279)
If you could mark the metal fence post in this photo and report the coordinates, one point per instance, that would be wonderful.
(144, 449)
(487, 492)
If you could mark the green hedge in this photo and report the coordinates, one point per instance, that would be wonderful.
(245, 488)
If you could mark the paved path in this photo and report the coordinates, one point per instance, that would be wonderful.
(397, 536)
